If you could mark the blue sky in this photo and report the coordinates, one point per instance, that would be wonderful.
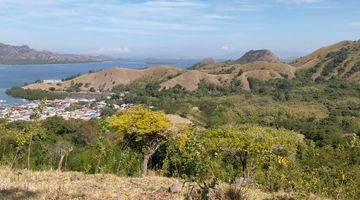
(178, 28)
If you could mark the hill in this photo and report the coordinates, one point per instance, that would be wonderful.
(108, 78)
(258, 55)
(191, 79)
(210, 71)
(19, 55)
(204, 62)
(260, 64)
(340, 60)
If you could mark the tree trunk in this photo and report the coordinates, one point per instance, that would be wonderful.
(145, 164)
(147, 158)
(244, 169)
(243, 158)
(60, 162)
(29, 152)
(153, 146)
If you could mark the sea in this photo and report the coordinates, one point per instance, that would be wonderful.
(18, 75)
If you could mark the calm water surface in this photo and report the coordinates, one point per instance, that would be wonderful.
(17, 75)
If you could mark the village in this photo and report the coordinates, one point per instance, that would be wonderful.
(69, 108)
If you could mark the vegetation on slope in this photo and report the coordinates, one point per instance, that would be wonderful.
(236, 134)
(297, 135)
(19, 92)
(341, 60)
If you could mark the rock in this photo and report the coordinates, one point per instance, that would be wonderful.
(175, 188)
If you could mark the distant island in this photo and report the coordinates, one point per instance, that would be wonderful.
(23, 55)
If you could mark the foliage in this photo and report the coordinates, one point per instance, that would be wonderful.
(142, 128)
(230, 152)
(19, 92)
(300, 136)
(140, 121)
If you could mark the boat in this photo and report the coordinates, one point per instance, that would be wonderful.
(2, 101)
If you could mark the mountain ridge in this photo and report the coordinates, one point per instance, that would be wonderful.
(23, 55)
(259, 64)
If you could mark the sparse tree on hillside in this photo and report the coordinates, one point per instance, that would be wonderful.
(36, 129)
(62, 149)
(143, 129)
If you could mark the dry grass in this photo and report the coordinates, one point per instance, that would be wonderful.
(315, 57)
(51, 185)
(343, 69)
(108, 78)
(190, 80)
(75, 185)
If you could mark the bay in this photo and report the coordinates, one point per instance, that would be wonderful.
(18, 75)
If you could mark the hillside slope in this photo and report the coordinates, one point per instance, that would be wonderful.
(340, 60)
(106, 79)
(18, 55)
(43, 185)
(260, 64)
(76, 185)
(191, 79)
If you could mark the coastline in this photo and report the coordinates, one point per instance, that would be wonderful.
(17, 75)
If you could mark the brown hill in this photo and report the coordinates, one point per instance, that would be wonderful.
(264, 71)
(18, 55)
(339, 60)
(204, 62)
(191, 79)
(258, 55)
(108, 78)
(216, 74)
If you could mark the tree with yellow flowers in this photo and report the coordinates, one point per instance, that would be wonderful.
(141, 128)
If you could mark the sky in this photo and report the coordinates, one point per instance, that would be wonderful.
(178, 28)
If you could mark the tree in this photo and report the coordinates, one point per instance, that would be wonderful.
(252, 145)
(141, 128)
(36, 130)
(62, 149)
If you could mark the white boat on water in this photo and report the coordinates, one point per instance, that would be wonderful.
(2, 101)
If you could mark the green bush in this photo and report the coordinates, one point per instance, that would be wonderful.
(19, 92)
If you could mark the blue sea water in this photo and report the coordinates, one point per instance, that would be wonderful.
(17, 75)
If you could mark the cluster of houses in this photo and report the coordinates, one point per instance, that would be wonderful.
(85, 109)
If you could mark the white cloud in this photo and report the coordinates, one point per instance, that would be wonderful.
(225, 48)
(219, 17)
(299, 1)
(115, 50)
(173, 4)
